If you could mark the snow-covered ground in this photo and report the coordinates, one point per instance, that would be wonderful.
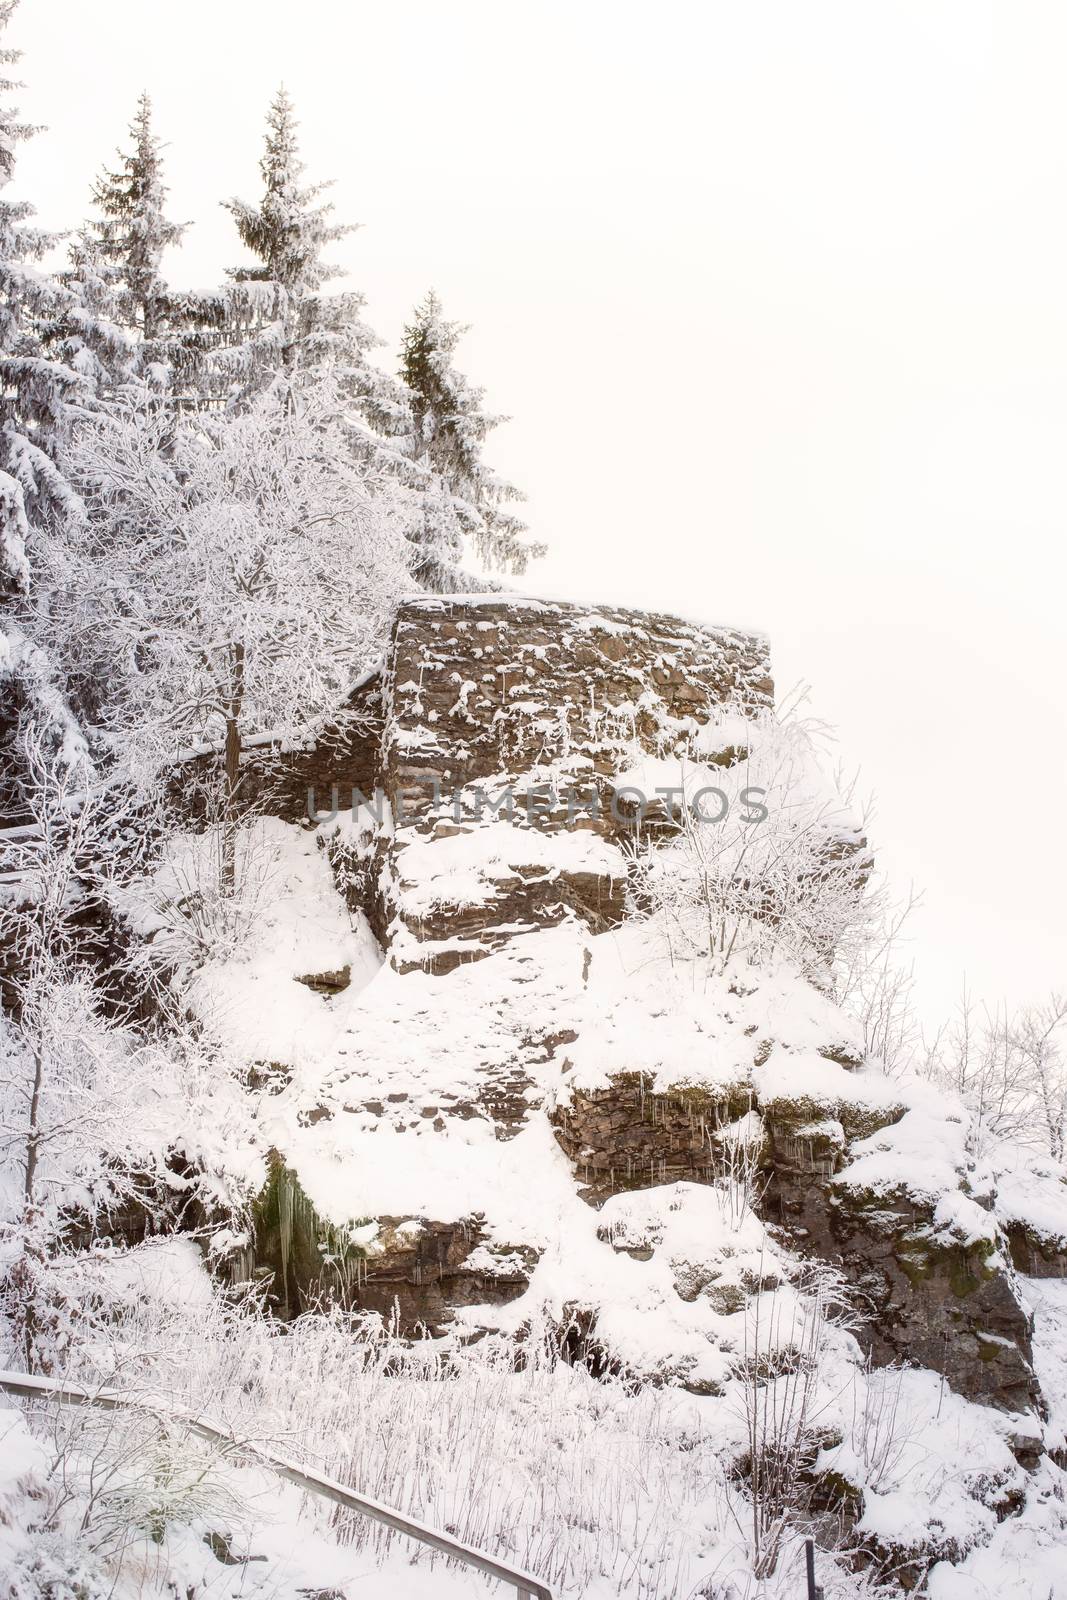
(623, 1482)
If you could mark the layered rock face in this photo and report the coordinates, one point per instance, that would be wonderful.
(932, 1272)
(521, 712)
(497, 1069)
(489, 817)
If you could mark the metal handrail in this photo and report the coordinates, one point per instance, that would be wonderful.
(526, 1585)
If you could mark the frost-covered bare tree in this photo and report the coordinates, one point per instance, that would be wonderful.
(784, 1399)
(1010, 1069)
(76, 1143)
(775, 861)
(76, 1089)
(1038, 1038)
(110, 1125)
(234, 578)
(875, 983)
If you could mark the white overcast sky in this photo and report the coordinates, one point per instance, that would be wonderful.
(776, 295)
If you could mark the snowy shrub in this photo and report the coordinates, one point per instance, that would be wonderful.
(1010, 1070)
(182, 913)
(732, 881)
(92, 1108)
(785, 1404)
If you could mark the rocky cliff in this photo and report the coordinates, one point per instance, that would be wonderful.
(475, 1119)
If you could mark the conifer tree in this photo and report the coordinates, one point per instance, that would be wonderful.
(123, 250)
(290, 327)
(35, 391)
(85, 333)
(288, 229)
(38, 398)
(463, 498)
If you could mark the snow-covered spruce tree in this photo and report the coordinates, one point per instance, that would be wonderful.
(275, 321)
(126, 245)
(289, 228)
(35, 390)
(39, 394)
(462, 499)
(113, 324)
(85, 333)
(238, 570)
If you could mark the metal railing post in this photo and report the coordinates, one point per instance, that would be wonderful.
(814, 1593)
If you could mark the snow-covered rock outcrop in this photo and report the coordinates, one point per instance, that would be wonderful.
(454, 1122)
(509, 1076)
